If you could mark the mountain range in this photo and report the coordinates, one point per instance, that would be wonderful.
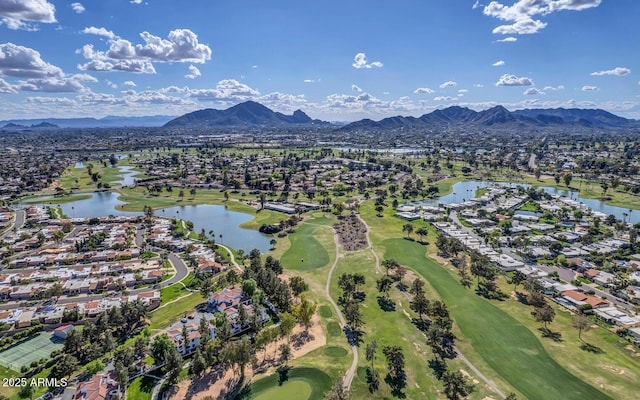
(255, 114)
(243, 114)
(106, 122)
(499, 116)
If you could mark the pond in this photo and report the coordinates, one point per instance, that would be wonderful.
(204, 216)
(128, 175)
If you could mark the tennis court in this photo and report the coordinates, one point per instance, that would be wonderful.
(34, 349)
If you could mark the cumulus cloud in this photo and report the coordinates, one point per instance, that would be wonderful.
(498, 63)
(512, 80)
(554, 88)
(77, 7)
(423, 90)
(57, 101)
(360, 61)
(194, 72)
(619, 71)
(6, 87)
(92, 30)
(522, 17)
(129, 83)
(24, 62)
(590, 88)
(533, 91)
(136, 1)
(16, 14)
(309, 81)
(227, 90)
(448, 84)
(182, 45)
(356, 88)
(52, 85)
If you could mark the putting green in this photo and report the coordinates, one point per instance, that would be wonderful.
(335, 351)
(289, 390)
(301, 383)
(334, 329)
(325, 311)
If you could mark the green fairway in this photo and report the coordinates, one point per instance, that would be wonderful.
(302, 383)
(335, 351)
(508, 347)
(325, 311)
(306, 252)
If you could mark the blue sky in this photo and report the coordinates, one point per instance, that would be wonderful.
(335, 60)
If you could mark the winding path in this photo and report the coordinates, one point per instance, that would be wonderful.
(348, 376)
(464, 359)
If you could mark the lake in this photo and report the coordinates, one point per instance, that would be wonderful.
(204, 216)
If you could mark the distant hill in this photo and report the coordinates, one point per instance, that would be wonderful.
(248, 113)
(498, 116)
(106, 122)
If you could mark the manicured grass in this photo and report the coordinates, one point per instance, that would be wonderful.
(165, 316)
(335, 351)
(325, 311)
(306, 252)
(140, 388)
(318, 381)
(334, 329)
(296, 389)
(56, 200)
(34, 349)
(174, 291)
(507, 346)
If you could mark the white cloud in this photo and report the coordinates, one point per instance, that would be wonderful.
(520, 15)
(92, 30)
(619, 71)
(181, 46)
(6, 87)
(445, 98)
(554, 88)
(478, 85)
(129, 83)
(136, 1)
(424, 90)
(476, 5)
(360, 61)
(448, 84)
(16, 14)
(590, 88)
(356, 88)
(227, 90)
(462, 91)
(309, 81)
(508, 39)
(512, 80)
(77, 7)
(533, 91)
(84, 78)
(498, 63)
(57, 101)
(194, 72)
(24, 62)
(51, 85)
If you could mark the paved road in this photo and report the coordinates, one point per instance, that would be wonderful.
(18, 222)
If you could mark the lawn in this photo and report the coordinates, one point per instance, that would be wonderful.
(303, 383)
(55, 200)
(507, 346)
(165, 316)
(141, 388)
(306, 252)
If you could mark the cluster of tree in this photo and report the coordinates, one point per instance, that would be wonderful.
(108, 329)
(351, 298)
(92, 242)
(448, 247)
(396, 376)
(266, 278)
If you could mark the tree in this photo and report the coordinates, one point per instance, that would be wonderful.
(121, 375)
(249, 287)
(160, 348)
(273, 243)
(420, 304)
(422, 231)
(407, 228)
(544, 314)
(285, 353)
(517, 278)
(370, 352)
(298, 285)
(65, 366)
(27, 392)
(55, 291)
(389, 264)
(567, 178)
(304, 312)
(198, 364)
(417, 286)
(94, 367)
(582, 324)
(384, 285)
(456, 386)
(395, 361)
(338, 391)
(173, 365)
(287, 323)
(352, 315)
